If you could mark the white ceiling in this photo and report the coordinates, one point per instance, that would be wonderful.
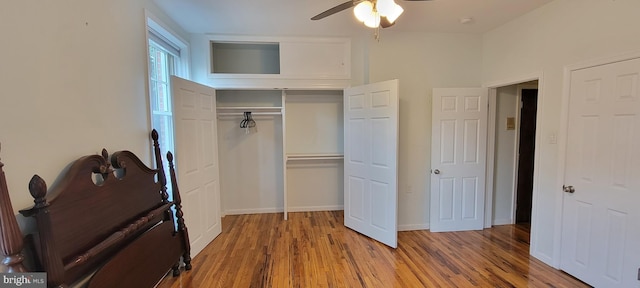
(292, 17)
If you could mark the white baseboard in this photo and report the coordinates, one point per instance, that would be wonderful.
(412, 227)
(280, 210)
(502, 221)
(253, 211)
(316, 208)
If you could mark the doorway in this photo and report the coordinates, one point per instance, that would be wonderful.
(513, 146)
(525, 154)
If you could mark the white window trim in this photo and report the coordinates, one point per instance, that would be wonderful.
(153, 22)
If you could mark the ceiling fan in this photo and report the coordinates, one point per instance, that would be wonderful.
(373, 13)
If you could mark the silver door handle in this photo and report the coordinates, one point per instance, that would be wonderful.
(436, 171)
(568, 189)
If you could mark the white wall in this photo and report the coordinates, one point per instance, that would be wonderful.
(250, 165)
(421, 62)
(73, 79)
(561, 33)
(504, 156)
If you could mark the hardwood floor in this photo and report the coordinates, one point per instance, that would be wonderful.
(314, 249)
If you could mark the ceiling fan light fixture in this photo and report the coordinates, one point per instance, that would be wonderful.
(363, 11)
(385, 7)
(372, 20)
(397, 11)
(372, 13)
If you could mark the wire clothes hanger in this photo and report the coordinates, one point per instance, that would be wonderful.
(247, 123)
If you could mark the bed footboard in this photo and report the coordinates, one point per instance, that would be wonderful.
(154, 254)
(108, 216)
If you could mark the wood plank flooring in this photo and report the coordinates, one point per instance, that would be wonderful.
(314, 249)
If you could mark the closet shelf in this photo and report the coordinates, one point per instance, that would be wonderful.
(259, 110)
(301, 157)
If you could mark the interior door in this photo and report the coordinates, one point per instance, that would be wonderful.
(370, 160)
(197, 160)
(458, 159)
(600, 227)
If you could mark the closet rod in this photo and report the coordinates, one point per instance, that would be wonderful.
(242, 113)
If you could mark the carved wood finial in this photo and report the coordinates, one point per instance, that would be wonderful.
(105, 154)
(104, 169)
(154, 135)
(38, 190)
(11, 240)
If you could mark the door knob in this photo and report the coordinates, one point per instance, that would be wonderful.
(568, 189)
(436, 171)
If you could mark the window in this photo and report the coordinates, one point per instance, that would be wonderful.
(167, 57)
(161, 67)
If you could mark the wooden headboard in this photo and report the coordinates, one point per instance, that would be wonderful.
(109, 215)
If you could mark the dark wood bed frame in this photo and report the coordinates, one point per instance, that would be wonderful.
(108, 219)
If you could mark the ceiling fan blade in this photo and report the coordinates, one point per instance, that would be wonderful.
(384, 22)
(334, 10)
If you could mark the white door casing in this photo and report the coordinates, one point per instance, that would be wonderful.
(600, 217)
(458, 159)
(197, 160)
(370, 160)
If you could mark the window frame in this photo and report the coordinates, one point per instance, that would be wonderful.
(181, 65)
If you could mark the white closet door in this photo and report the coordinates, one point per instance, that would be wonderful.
(197, 160)
(370, 160)
(458, 158)
(600, 215)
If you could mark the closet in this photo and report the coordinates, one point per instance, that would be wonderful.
(279, 109)
(251, 166)
(314, 150)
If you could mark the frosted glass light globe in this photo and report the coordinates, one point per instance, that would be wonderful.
(363, 10)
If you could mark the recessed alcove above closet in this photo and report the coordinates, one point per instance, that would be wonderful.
(252, 62)
(245, 58)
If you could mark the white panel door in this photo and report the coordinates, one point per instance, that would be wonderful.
(370, 160)
(458, 157)
(600, 216)
(197, 160)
